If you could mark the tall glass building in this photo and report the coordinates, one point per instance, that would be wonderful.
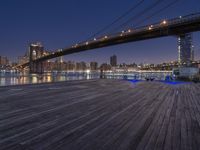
(113, 60)
(185, 49)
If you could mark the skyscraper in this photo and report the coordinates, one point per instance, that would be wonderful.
(113, 60)
(185, 49)
(81, 66)
(93, 65)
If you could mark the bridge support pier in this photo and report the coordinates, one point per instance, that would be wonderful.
(36, 51)
(36, 67)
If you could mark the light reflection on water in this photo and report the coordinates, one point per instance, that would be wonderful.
(16, 79)
(19, 78)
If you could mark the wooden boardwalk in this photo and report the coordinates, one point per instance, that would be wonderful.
(100, 115)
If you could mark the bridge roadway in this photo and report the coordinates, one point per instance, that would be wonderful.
(100, 115)
(176, 26)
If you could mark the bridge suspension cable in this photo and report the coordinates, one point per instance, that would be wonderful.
(117, 19)
(156, 13)
(150, 16)
(135, 17)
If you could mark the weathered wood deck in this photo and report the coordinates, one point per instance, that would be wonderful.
(100, 115)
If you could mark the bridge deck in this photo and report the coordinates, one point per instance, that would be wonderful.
(100, 115)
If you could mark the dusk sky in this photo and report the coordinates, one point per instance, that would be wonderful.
(61, 23)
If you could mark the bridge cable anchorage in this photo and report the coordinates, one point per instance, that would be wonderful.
(135, 17)
(116, 20)
(156, 12)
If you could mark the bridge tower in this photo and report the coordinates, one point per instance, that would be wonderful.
(36, 50)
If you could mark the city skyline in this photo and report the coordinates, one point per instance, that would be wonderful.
(57, 33)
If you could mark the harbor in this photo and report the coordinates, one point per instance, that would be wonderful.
(100, 114)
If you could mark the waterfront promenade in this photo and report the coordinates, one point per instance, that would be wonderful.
(100, 115)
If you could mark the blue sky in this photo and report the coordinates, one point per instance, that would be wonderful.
(60, 23)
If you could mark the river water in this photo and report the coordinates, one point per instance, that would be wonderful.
(16, 78)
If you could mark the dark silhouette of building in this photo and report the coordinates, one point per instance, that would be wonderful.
(113, 60)
(105, 67)
(93, 65)
(70, 66)
(59, 62)
(81, 66)
(4, 60)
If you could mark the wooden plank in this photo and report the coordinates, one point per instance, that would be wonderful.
(100, 114)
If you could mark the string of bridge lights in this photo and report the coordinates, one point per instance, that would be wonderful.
(122, 33)
(125, 32)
